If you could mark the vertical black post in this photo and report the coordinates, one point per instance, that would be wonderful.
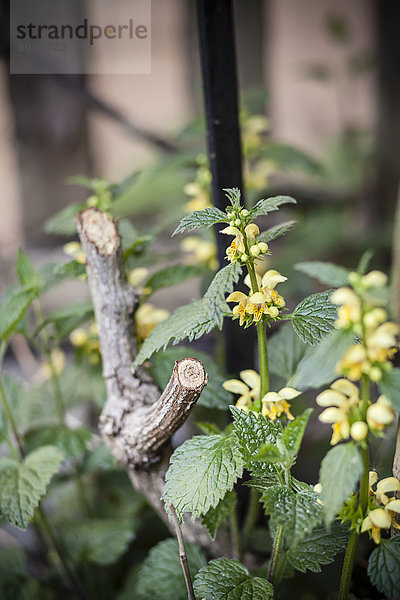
(218, 63)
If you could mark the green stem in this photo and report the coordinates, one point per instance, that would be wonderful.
(53, 373)
(235, 534)
(347, 569)
(251, 519)
(10, 418)
(273, 563)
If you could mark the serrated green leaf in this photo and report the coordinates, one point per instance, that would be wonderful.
(22, 484)
(314, 317)
(390, 387)
(296, 512)
(72, 442)
(202, 218)
(214, 518)
(190, 321)
(201, 471)
(213, 395)
(270, 454)
(225, 579)
(173, 275)
(364, 261)
(274, 232)
(318, 365)
(26, 273)
(285, 351)
(267, 205)
(214, 299)
(208, 428)
(318, 548)
(63, 222)
(325, 272)
(99, 541)
(294, 431)
(340, 470)
(253, 432)
(13, 306)
(384, 567)
(160, 576)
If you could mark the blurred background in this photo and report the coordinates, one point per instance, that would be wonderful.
(325, 74)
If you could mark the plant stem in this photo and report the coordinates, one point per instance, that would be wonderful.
(182, 554)
(251, 519)
(235, 535)
(347, 569)
(272, 572)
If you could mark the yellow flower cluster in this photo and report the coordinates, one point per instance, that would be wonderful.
(237, 249)
(200, 251)
(74, 250)
(147, 317)
(86, 340)
(274, 404)
(360, 312)
(266, 301)
(385, 514)
(54, 366)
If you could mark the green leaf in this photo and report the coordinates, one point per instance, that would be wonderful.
(17, 401)
(201, 471)
(314, 317)
(270, 454)
(208, 428)
(325, 272)
(384, 567)
(201, 218)
(213, 395)
(190, 321)
(253, 432)
(274, 232)
(267, 205)
(99, 459)
(67, 319)
(63, 222)
(22, 484)
(173, 275)
(225, 579)
(72, 442)
(15, 583)
(318, 548)
(54, 274)
(364, 262)
(285, 351)
(288, 158)
(160, 576)
(13, 306)
(214, 518)
(318, 365)
(340, 470)
(214, 299)
(296, 512)
(294, 431)
(390, 387)
(99, 541)
(26, 273)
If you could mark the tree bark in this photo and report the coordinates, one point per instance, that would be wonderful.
(137, 422)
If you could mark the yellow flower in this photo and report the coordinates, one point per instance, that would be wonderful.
(78, 337)
(137, 276)
(340, 399)
(374, 279)
(199, 197)
(201, 251)
(249, 390)
(377, 519)
(389, 484)
(359, 431)
(251, 232)
(349, 311)
(147, 317)
(380, 414)
(243, 309)
(237, 246)
(56, 364)
(267, 300)
(354, 362)
(74, 249)
(381, 344)
(276, 403)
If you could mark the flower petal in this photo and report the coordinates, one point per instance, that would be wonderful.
(257, 298)
(331, 398)
(251, 377)
(393, 505)
(288, 393)
(237, 297)
(346, 387)
(271, 397)
(271, 278)
(232, 231)
(235, 386)
(380, 518)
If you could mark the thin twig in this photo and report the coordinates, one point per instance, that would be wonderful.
(182, 554)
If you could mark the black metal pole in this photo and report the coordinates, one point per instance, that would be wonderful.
(218, 63)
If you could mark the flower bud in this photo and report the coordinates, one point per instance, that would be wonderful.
(375, 374)
(354, 278)
(273, 311)
(255, 250)
(238, 222)
(359, 431)
(263, 247)
(245, 212)
(243, 257)
(92, 201)
(374, 279)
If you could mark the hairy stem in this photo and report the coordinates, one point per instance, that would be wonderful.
(9, 415)
(182, 554)
(273, 563)
(347, 569)
(235, 535)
